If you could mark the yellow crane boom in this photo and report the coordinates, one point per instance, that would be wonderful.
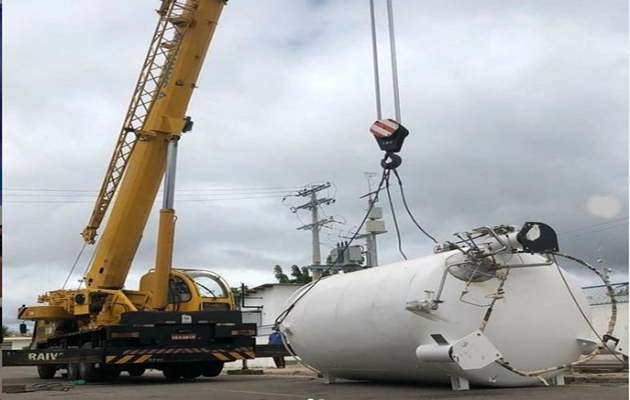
(156, 116)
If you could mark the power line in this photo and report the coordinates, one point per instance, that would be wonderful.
(180, 200)
(291, 188)
(595, 231)
(92, 196)
(232, 198)
(50, 190)
(591, 226)
(178, 190)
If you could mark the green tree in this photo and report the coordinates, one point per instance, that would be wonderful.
(279, 275)
(6, 331)
(300, 275)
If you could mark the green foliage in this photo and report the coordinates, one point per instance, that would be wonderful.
(279, 275)
(6, 331)
(300, 275)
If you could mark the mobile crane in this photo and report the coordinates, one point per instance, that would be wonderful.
(182, 322)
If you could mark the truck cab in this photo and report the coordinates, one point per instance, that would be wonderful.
(194, 290)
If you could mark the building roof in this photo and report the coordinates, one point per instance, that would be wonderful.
(14, 338)
(266, 286)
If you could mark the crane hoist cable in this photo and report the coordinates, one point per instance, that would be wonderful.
(76, 261)
(393, 58)
(390, 134)
(377, 82)
(393, 210)
(392, 49)
(404, 199)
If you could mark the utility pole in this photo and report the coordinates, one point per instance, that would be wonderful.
(315, 225)
(373, 226)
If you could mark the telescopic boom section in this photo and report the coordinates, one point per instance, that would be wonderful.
(163, 115)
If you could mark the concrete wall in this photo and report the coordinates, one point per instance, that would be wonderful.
(16, 343)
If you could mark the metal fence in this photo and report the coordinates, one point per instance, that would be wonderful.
(599, 294)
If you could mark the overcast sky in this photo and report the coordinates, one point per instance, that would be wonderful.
(517, 112)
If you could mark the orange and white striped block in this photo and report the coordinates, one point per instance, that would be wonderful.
(384, 128)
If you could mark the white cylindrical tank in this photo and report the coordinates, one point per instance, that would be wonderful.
(356, 325)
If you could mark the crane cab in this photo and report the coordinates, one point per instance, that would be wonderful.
(194, 290)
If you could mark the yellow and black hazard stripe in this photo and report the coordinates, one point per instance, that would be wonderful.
(128, 359)
(233, 355)
(138, 356)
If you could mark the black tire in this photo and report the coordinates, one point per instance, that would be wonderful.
(172, 373)
(73, 372)
(211, 368)
(88, 371)
(46, 371)
(192, 371)
(136, 371)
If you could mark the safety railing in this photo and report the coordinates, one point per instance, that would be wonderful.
(599, 294)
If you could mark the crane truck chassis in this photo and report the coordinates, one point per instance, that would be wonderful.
(182, 345)
(182, 321)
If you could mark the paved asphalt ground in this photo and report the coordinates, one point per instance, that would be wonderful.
(286, 387)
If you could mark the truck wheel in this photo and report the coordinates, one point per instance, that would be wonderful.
(212, 368)
(191, 371)
(46, 371)
(73, 372)
(88, 371)
(172, 373)
(136, 371)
